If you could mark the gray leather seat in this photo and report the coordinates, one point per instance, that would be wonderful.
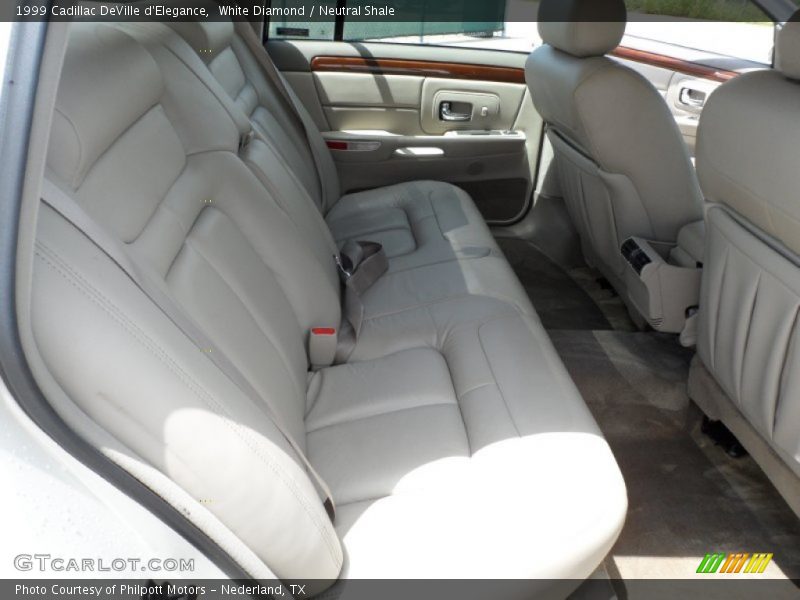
(453, 440)
(622, 164)
(420, 222)
(748, 166)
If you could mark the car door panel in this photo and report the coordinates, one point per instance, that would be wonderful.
(393, 94)
(363, 101)
(368, 159)
(501, 101)
(362, 89)
(385, 108)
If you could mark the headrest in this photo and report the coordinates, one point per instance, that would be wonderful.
(107, 83)
(582, 27)
(787, 48)
(207, 38)
(746, 156)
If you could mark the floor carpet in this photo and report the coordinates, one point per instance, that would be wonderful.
(686, 496)
(574, 299)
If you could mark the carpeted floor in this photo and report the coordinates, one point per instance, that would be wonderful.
(686, 496)
(573, 299)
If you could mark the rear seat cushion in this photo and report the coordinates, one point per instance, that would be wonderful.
(434, 453)
(388, 226)
(399, 414)
(443, 286)
(425, 222)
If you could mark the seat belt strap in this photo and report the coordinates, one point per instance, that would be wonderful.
(298, 113)
(157, 293)
(360, 265)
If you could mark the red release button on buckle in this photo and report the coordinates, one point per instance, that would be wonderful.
(323, 331)
(336, 144)
(322, 346)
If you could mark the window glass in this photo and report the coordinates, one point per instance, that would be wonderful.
(735, 28)
(467, 23)
(425, 21)
(707, 10)
(293, 26)
(689, 29)
(747, 41)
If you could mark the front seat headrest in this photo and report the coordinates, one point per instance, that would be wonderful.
(787, 48)
(582, 27)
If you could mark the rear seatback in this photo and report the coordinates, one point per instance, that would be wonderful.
(173, 189)
(419, 222)
(441, 222)
(457, 445)
(261, 154)
(231, 63)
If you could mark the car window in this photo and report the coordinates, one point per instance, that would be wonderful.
(291, 25)
(731, 28)
(734, 28)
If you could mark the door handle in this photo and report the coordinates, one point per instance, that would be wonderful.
(446, 113)
(692, 97)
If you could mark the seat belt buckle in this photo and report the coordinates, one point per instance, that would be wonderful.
(345, 273)
(322, 343)
(245, 139)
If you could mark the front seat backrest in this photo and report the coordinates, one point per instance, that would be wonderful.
(749, 167)
(623, 165)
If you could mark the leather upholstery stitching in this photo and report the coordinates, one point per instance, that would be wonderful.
(715, 337)
(190, 245)
(70, 122)
(494, 376)
(787, 351)
(395, 411)
(747, 334)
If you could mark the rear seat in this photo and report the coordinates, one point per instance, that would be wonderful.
(418, 222)
(453, 441)
(417, 279)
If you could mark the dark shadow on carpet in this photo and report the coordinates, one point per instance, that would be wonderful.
(560, 302)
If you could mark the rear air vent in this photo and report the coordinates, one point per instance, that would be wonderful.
(636, 257)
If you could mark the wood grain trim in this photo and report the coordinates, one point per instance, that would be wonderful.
(673, 64)
(420, 68)
(449, 70)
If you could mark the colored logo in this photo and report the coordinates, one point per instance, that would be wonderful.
(736, 562)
